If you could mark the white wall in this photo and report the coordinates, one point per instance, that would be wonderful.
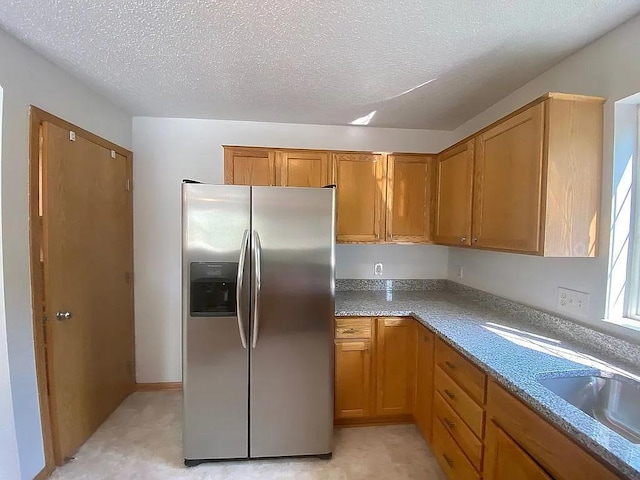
(28, 78)
(168, 150)
(9, 459)
(609, 67)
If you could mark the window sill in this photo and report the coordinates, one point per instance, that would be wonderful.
(625, 322)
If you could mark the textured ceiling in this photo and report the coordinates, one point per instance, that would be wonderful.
(310, 61)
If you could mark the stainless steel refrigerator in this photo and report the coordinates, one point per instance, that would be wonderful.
(258, 307)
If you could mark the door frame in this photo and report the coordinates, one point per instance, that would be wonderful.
(36, 118)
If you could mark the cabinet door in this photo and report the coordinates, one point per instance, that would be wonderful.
(409, 194)
(249, 166)
(303, 169)
(423, 408)
(454, 179)
(360, 196)
(353, 379)
(506, 460)
(508, 183)
(395, 366)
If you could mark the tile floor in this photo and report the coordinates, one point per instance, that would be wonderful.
(141, 440)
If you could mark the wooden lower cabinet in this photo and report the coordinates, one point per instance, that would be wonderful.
(395, 366)
(375, 370)
(423, 407)
(390, 370)
(353, 379)
(506, 460)
(559, 456)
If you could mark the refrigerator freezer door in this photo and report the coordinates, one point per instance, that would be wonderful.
(215, 362)
(291, 380)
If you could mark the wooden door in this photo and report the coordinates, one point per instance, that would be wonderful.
(423, 408)
(508, 183)
(303, 169)
(454, 195)
(410, 191)
(352, 379)
(87, 259)
(395, 366)
(249, 166)
(506, 460)
(360, 196)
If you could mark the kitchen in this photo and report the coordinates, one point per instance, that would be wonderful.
(167, 150)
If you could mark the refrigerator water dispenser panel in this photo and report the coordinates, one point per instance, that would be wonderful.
(212, 287)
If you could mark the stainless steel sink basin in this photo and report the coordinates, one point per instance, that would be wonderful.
(613, 401)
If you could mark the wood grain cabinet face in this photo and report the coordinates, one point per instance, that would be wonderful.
(410, 189)
(505, 460)
(454, 186)
(395, 366)
(423, 408)
(508, 183)
(303, 169)
(352, 379)
(360, 196)
(249, 166)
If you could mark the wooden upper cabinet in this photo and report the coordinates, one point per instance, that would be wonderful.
(249, 166)
(506, 460)
(395, 364)
(360, 196)
(454, 185)
(303, 169)
(508, 183)
(410, 189)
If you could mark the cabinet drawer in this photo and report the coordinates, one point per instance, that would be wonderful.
(541, 440)
(450, 457)
(461, 402)
(353, 328)
(459, 430)
(470, 377)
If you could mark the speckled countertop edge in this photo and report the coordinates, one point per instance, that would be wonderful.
(487, 338)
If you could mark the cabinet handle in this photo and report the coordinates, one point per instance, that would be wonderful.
(447, 459)
(449, 423)
(452, 366)
(463, 239)
(475, 239)
(449, 394)
(349, 330)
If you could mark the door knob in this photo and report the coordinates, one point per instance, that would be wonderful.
(63, 315)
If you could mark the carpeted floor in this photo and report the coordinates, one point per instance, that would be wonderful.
(142, 440)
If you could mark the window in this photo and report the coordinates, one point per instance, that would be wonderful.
(632, 307)
(623, 295)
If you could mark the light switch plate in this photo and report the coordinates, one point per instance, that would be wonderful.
(573, 302)
(377, 269)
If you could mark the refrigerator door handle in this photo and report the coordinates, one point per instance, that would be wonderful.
(257, 251)
(239, 288)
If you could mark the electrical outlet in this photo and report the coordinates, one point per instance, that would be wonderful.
(460, 272)
(573, 302)
(377, 269)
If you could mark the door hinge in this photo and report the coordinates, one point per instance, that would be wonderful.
(128, 185)
(72, 135)
(113, 154)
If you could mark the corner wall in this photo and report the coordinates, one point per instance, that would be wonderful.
(28, 78)
(169, 149)
(609, 67)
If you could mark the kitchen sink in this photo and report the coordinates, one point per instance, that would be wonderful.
(613, 401)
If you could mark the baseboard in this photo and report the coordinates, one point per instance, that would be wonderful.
(44, 473)
(372, 421)
(159, 387)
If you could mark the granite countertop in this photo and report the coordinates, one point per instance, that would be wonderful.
(513, 350)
